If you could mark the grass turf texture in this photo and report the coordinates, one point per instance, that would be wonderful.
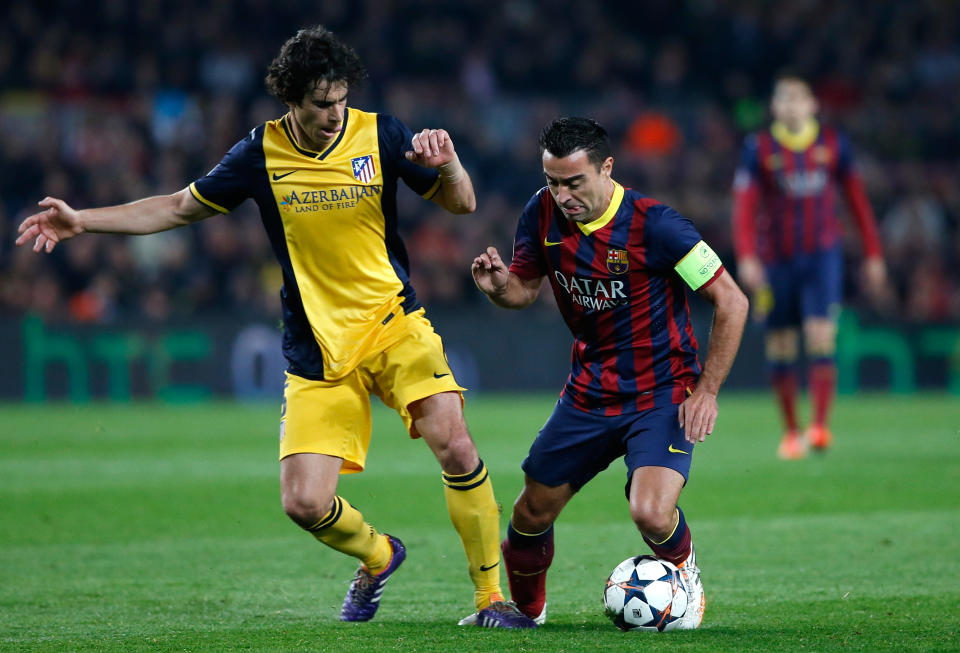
(150, 527)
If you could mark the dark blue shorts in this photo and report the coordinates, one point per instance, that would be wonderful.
(574, 446)
(810, 285)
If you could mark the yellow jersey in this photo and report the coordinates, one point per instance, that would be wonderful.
(331, 218)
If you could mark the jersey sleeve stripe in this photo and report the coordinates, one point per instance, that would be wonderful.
(203, 200)
(433, 190)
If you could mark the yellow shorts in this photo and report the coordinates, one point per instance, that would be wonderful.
(333, 417)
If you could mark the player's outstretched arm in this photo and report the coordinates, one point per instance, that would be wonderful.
(501, 286)
(59, 221)
(699, 412)
(433, 148)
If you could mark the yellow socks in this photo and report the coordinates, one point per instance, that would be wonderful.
(474, 513)
(343, 529)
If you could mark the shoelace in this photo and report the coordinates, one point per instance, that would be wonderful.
(690, 571)
(362, 585)
(505, 607)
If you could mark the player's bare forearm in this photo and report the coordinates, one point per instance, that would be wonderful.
(433, 148)
(502, 287)
(729, 316)
(146, 216)
(752, 275)
(697, 415)
(516, 294)
(58, 221)
(456, 192)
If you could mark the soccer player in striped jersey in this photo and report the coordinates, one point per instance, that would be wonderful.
(619, 264)
(789, 255)
(325, 177)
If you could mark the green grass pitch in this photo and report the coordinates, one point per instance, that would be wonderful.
(159, 528)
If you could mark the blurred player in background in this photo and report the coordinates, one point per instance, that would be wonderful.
(324, 177)
(619, 264)
(789, 253)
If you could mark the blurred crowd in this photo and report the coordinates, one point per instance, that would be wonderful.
(108, 103)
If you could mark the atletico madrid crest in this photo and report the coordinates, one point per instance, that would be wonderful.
(617, 261)
(363, 168)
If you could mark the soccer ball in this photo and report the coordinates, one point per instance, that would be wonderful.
(645, 593)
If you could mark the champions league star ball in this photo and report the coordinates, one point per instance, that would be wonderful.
(645, 593)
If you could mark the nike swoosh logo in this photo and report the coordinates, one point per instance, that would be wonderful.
(672, 449)
(440, 376)
(550, 244)
(485, 568)
(535, 573)
(277, 177)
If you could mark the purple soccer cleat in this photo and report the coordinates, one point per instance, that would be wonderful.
(503, 614)
(363, 597)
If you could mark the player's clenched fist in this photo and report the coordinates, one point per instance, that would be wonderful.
(489, 272)
(432, 148)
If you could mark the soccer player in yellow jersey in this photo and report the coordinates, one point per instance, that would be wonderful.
(324, 177)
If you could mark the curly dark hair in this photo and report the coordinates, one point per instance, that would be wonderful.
(311, 56)
(564, 136)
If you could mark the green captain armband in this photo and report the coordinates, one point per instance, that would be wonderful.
(698, 266)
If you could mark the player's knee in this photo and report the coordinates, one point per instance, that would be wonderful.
(824, 350)
(652, 517)
(782, 345)
(305, 509)
(820, 338)
(531, 516)
(820, 345)
(457, 454)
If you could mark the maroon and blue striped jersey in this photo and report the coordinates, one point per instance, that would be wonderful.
(617, 285)
(785, 194)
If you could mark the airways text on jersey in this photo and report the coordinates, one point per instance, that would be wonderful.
(591, 293)
(803, 183)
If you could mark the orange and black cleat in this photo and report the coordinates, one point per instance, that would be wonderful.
(819, 437)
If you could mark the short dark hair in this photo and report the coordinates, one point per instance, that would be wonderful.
(564, 136)
(311, 56)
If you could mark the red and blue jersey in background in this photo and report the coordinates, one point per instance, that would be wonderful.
(617, 288)
(785, 194)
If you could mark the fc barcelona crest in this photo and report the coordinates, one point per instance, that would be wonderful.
(363, 168)
(617, 261)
